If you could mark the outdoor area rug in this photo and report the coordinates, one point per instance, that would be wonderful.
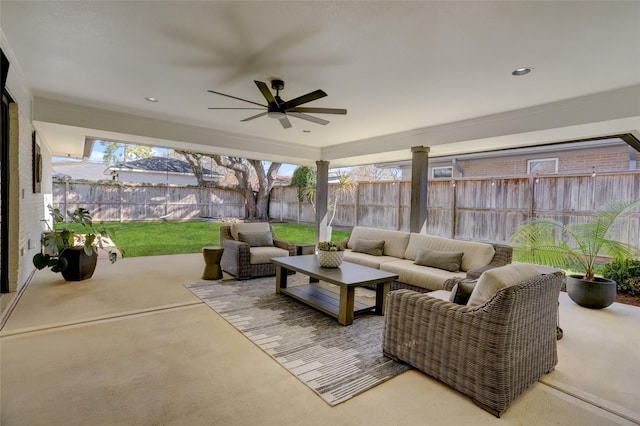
(337, 362)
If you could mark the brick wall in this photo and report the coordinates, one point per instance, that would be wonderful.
(25, 208)
(578, 161)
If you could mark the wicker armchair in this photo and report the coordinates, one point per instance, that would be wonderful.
(492, 352)
(245, 262)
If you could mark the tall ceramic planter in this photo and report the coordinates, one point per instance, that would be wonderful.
(80, 266)
(596, 294)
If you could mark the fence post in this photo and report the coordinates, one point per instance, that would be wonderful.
(454, 192)
(121, 208)
(398, 185)
(532, 194)
(66, 195)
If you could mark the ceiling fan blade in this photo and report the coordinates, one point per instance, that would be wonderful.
(308, 117)
(285, 122)
(234, 97)
(255, 116)
(239, 108)
(266, 92)
(303, 99)
(319, 110)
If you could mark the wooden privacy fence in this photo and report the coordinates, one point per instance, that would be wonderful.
(120, 202)
(481, 209)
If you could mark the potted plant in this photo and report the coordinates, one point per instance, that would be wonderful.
(535, 241)
(330, 254)
(70, 247)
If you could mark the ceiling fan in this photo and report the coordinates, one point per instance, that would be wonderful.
(280, 110)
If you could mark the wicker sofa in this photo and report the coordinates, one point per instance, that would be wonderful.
(491, 352)
(245, 261)
(401, 249)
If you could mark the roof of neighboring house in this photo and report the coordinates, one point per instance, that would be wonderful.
(158, 164)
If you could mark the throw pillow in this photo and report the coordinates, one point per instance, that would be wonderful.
(461, 292)
(447, 260)
(372, 247)
(498, 278)
(256, 239)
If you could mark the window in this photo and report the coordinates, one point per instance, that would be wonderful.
(542, 166)
(442, 172)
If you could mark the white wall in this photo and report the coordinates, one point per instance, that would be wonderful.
(25, 208)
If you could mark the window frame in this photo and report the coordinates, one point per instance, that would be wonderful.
(540, 160)
(433, 172)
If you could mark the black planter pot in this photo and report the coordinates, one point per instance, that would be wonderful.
(80, 266)
(596, 294)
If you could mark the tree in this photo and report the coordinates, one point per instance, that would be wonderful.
(252, 181)
(131, 152)
(305, 180)
(372, 173)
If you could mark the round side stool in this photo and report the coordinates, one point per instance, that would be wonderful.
(212, 256)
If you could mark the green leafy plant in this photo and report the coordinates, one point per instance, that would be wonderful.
(539, 240)
(304, 179)
(329, 246)
(78, 231)
(626, 273)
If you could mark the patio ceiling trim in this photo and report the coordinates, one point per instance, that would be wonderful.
(64, 126)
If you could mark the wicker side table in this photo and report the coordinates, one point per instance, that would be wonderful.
(212, 256)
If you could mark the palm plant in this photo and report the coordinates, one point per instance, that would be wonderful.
(345, 186)
(536, 241)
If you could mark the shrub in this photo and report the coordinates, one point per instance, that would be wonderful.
(626, 273)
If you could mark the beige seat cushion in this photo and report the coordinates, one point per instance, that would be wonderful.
(249, 227)
(440, 294)
(395, 242)
(420, 276)
(475, 254)
(498, 278)
(260, 255)
(366, 259)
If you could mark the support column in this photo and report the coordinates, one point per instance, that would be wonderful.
(419, 185)
(322, 198)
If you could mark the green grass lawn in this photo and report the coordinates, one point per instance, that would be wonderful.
(158, 238)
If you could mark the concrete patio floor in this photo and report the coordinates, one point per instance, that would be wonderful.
(132, 346)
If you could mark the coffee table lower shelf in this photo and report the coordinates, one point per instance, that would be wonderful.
(323, 299)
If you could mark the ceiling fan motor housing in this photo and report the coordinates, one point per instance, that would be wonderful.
(277, 84)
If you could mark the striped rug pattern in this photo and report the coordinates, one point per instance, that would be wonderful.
(335, 361)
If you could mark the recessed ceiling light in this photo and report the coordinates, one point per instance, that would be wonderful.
(150, 99)
(522, 71)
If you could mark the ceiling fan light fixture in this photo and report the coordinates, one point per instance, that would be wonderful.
(277, 115)
(522, 71)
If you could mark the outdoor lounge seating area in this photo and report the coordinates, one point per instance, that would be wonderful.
(431, 131)
(423, 262)
(134, 346)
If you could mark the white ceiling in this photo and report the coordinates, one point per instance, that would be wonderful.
(409, 73)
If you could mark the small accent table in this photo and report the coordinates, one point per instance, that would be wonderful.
(305, 248)
(212, 256)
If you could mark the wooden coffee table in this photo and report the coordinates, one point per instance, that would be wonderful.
(348, 276)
